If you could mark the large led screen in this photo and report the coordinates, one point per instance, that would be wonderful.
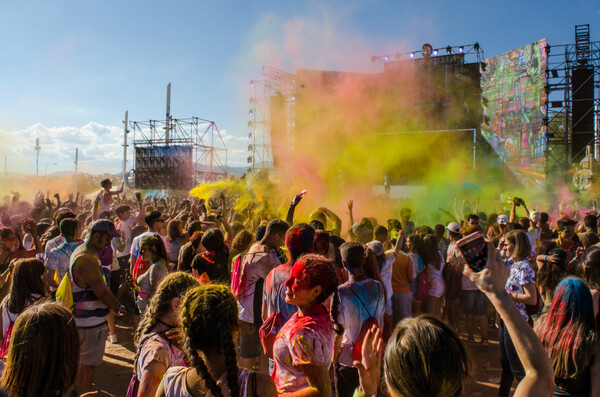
(513, 98)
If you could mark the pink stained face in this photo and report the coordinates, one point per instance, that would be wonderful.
(298, 292)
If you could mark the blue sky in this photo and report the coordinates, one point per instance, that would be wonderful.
(70, 69)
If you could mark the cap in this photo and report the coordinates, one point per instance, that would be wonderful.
(106, 226)
(453, 227)
(502, 219)
(376, 247)
(534, 216)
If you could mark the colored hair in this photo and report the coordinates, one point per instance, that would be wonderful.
(425, 358)
(320, 271)
(521, 242)
(299, 240)
(175, 285)
(26, 281)
(567, 330)
(209, 318)
(44, 352)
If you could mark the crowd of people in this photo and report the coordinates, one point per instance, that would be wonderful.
(242, 303)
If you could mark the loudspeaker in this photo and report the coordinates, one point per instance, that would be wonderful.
(583, 111)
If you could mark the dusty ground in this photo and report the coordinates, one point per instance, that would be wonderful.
(113, 376)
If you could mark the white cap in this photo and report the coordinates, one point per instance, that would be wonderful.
(502, 219)
(453, 227)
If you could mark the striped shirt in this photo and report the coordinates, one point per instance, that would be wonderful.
(89, 311)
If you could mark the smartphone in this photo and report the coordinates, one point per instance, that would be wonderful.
(474, 250)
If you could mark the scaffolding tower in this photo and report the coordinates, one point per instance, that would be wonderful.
(563, 61)
(203, 136)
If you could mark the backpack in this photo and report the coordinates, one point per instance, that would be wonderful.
(64, 292)
(532, 310)
(237, 277)
(366, 326)
(238, 273)
(6, 340)
(270, 328)
(422, 291)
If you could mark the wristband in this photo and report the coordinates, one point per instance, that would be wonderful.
(575, 260)
(545, 256)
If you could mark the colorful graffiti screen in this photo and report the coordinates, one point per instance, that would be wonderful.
(513, 98)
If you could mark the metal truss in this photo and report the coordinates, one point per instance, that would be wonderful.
(209, 150)
(559, 122)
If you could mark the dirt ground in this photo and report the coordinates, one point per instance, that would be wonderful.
(113, 376)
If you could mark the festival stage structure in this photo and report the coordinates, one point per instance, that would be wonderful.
(533, 111)
(271, 108)
(573, 105)
(176, 154)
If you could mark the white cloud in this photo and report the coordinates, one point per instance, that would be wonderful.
(100, 148)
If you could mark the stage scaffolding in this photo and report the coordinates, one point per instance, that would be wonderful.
(563, 60)
(208, 148)
(275, 83)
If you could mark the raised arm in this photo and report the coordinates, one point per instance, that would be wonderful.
(539, 375)
(289, 219)
(337, 222)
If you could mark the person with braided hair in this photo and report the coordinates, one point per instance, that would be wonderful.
(209, 322)
(303, 349)
(156, 335)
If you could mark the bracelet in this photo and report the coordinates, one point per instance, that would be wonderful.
(575, 260)
(544, 260)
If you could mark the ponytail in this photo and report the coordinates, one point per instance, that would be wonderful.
(335, 311)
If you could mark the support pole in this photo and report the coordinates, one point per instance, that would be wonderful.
(125, 132)
(37, 156)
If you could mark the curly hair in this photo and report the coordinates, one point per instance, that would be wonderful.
(209, 318)
(175, 285)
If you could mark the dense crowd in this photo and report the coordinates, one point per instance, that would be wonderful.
(233, 302)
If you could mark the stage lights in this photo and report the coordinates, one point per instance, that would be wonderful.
(461, 49)
(386, 58)
(435, 52)
(476, 46)
(412, 55)
(250, 113)
(251, 83)
(448, 50)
